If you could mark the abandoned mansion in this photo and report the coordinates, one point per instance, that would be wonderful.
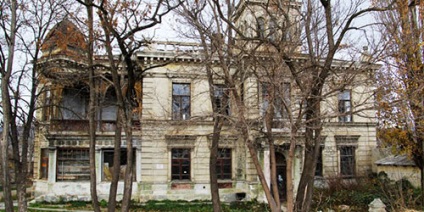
(172, 125)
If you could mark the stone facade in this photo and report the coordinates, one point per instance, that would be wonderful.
(172, 150)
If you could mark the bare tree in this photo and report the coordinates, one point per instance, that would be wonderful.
(25, 25)
(326, 26)
(122, 24)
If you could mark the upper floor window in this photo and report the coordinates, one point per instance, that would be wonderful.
(180, 164)
(221, 99)
(281, 99)
(74, 103)
(109, 108)
(347, 161)
(223, 164)
(260, 28)
(180, 101)
(345, 106)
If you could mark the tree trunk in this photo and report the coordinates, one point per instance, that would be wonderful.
(269, 197)
(116, 164)
(7, 111)
(126, 201)
(92, 110)
(216, 203)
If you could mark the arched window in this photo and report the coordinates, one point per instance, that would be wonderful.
(260, 27)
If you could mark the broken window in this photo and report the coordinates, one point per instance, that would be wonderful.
(73, 164)
(180, 101)
(44, 164)
(345, 106)
(223, 164)
(347, 161)
(107, 164)
(180, 169)
(109, 109)
(281, 99)
(221, 99)
(74, 103)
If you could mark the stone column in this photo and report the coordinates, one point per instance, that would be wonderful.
(52, 165)
(99, 167)
(267, 171)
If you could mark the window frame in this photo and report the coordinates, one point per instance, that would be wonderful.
(345, 106)
(123, 156)
(178, 164)
(79, 96)
(319, 169)
(347, 161)
(224, 163)
(222, 99)
(178, 101)
(74, 162)
(44, 164)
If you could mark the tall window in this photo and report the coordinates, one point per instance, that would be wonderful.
(221, 99)
(347, 161)
(73, 164)
(180, 169)
(180, 101)
(44, 164)
(260, 27)
(109, 108)
(319, 167)
(345, 106)
(223, 164)
(281, 99)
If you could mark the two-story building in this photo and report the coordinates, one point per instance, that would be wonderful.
(172, 126)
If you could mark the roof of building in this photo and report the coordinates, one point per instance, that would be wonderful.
(395, 160)
(64, 38)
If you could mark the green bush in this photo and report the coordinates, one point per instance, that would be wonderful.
(360, 192)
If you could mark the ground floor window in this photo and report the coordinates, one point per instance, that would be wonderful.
(347, 161)
(107, 164)
(223, 164)
(180, 164)
(73, 164)
(319, 167)
(44, 164)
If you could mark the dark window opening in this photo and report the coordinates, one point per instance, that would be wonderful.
(74, 104)
(223, 164)
(345, 106)
(180, 169)
(221, 98)
(319, 166)
(73, 165)
(107, 169)
(347, 161)
(180, 101)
